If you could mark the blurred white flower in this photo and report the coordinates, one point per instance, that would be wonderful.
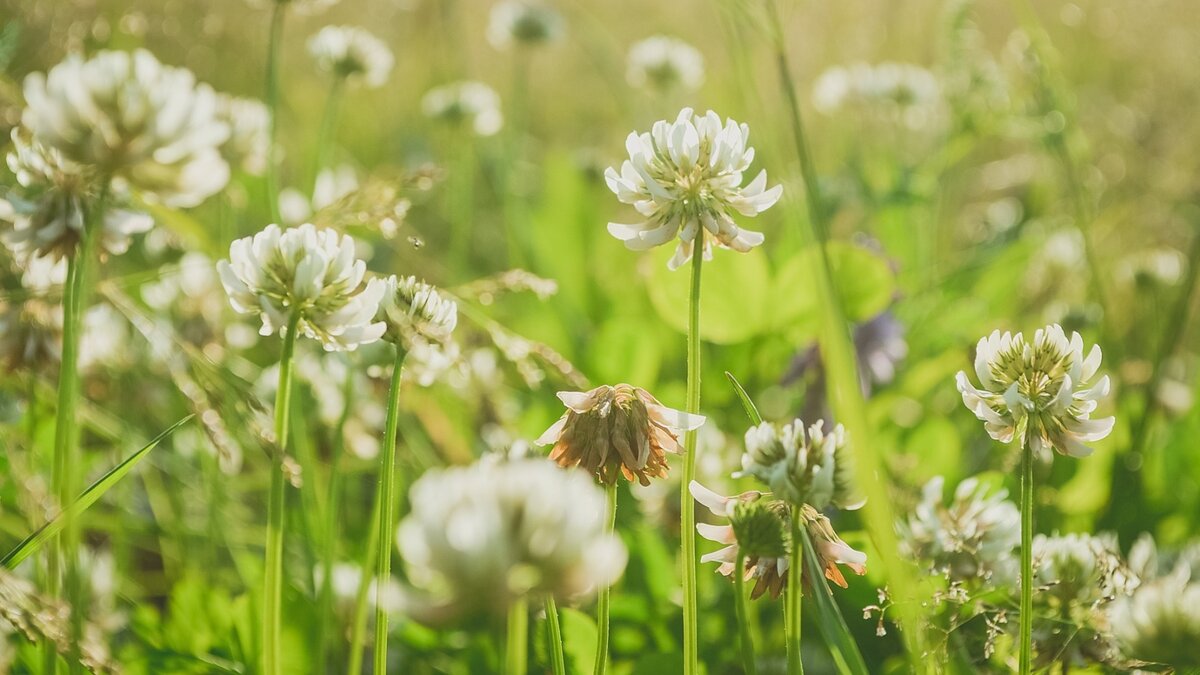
(344, 584)
(1043, 390)
(483, 535)
(133, 119)
(414, 310)
(665, 63)
(249, 144)
(899, 92)
(465, 103)
(308, 270)
(352, 53)
(1160, 622)
(105, 337)
(811, 469)
(685, 178)
(300, 6)
(972, 538)
(30, 334)
(523, 23)
(332, 184)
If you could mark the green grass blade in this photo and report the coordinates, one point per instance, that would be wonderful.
(751, 409)
(90, 496)
(830, 621)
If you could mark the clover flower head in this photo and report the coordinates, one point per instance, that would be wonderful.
(310, 271)
(664, 63)
(899, 92)
(972, 538)
(249, 145)
(352, 53)
(127, 116)
(1044, 389)
(479, 537)
(809, 469)
(523, 23)
(469, 103)
(685, 179)
(30, 334)
(1160, 621)
(617, 430)
(412, 309)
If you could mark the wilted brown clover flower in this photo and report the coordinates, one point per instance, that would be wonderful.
(617, 430)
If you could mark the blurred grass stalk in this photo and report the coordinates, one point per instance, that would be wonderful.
(687, 513)
(793, 622)
(387, 510)
(515, 657)
(844, 390)
(602, 601)
(745, 642)
(558, 661)
(1026, 638)
(274, 55)
(332, 518)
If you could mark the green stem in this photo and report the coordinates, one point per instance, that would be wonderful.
(557, 661)
(273, 576)
(1026, 556)
(518, 638)
(333, 502)
(274, 55)
(794, 596)
(387, 509)
(328, 131)
(358, 630)
(687, 516)
(602, 599)
(743, 612)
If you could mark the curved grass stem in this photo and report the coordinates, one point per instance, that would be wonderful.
(558, 662)
(687, 517)
(602, 599)
(515, 658)
(387, 510)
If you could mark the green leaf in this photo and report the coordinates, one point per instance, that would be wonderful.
(747, 404)
(733, 306)
(579, 640)
(864, 281)
(35, 540)
(830, 621)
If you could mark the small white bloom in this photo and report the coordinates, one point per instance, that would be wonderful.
(249, 143)
(352, 53)
(811, 469)
(414, 310)
(300, 6)
(332, 184)
(665, 63)
(685, 179)
(974, 538)
(483, 535)
(308, 270)
(1160, 622)
(130, 117)
(523, 23)
(469, 103)
(899, 92)
(1044, 390)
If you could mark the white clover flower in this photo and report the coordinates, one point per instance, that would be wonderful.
(1043, 390)
(344, 583)
(352, 53)
(310, 271)
(523, 23)
(332, 184)
(1160, 622)
(249, 144)
(414, 310)
(973, 538)
(813, 469)
(465, 103)
(484, 535)
(664, 63)
(900, 92)
(685, 178)
(300, 6)
(134, 119)
(48, 219)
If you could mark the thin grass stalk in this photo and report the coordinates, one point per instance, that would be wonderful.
(358, 629)
(602, 599)
(514, 207)
(795, 665)
(276, 504)
(274, 56)
(687, 513)
(328, 130)
(845, 394)
(1026, 640)
(332, 509)
(746, 643)
(387, 510)
(558, 662)
(515, 657)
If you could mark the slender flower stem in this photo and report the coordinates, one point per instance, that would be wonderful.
(328, 131)
(359, 628)
(333, 502)
(794, 595)
(387, 511)
(603, 596)
(687, 513)
(274, 55)
(273, 576)
(557, 661)
(1026, 556)
(743, 612)
(518, 638)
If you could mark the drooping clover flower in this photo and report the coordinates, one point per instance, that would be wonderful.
(664, 63)
(523, 23)
(1044, 391)
(352, 53)
(481, 536)
(685, 179)
(812, 468)
(759, 529)
(48, 218)
(897, 92)
(614, 431)
(249, 144)
(308, 270)
(469, 103)
(127, 116)
(413, 310)
(974, 538)
(1160, 621)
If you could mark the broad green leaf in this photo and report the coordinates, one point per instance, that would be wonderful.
(864, 281)
(734, 302)
(936, 449)
(832, 624)
(625, 350)
(35, 540)
(579, 640)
